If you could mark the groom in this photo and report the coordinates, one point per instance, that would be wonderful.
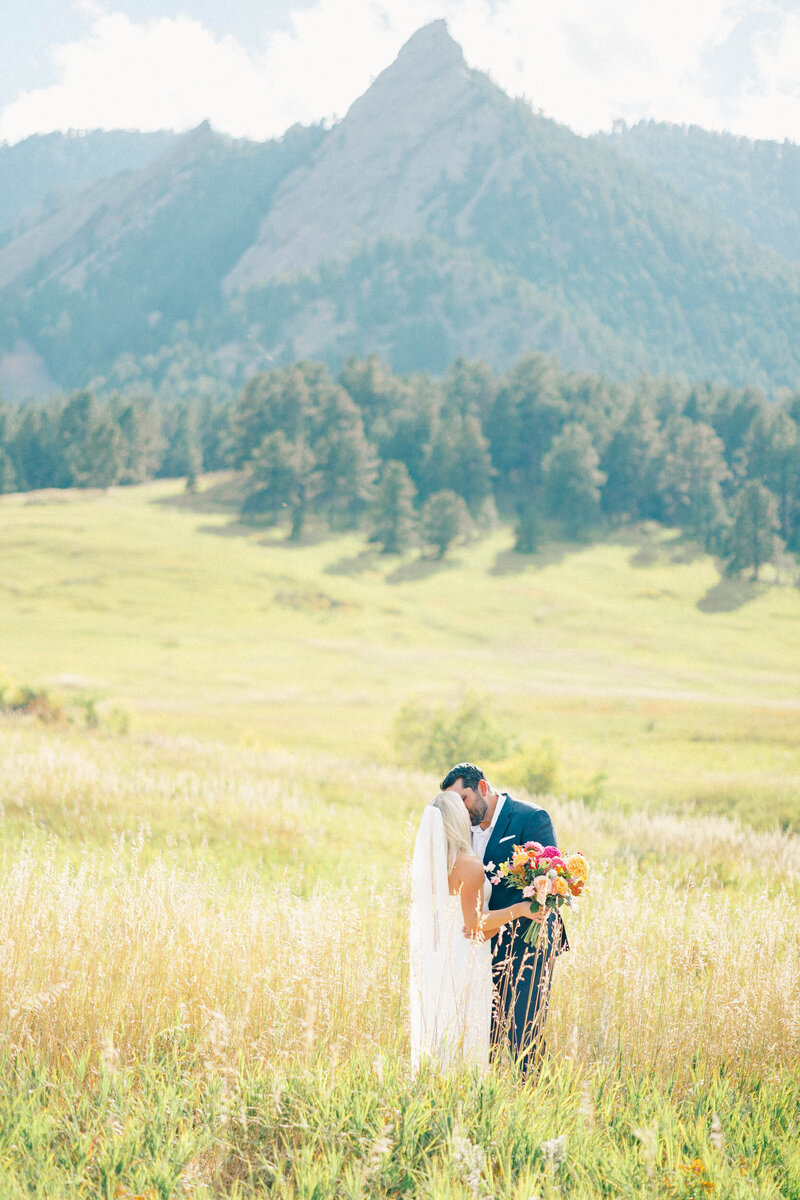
(522, 975)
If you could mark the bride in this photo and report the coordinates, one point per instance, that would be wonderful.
(451, 957)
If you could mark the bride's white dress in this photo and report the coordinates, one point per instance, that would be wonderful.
(450, 974)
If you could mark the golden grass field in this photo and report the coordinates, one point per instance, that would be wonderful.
(202, 962)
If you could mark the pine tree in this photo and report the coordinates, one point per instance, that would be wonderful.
(753, 537)
(444, 518)
(412, 431)
(393, 519)
(35, 449)
(183, 455)
(459, 454)
(103, 453)
(91, 443)
(282, 479)
(347, 463)
(375, 392)
(280, 400)
(141, 439)
(735, 412)
(629, 465)
(528, 527)
(470, 387)
(528, 411)
(773, 456)
(8, 475)
(572, 480)
(692, 472)
(77, 419)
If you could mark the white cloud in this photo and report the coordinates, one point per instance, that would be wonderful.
(167, 73)
(584, 62)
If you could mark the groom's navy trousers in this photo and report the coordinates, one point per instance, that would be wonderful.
(522, 976)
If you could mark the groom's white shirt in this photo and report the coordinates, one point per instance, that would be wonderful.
(480, 837)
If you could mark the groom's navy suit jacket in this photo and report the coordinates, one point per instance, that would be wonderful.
(520, 822)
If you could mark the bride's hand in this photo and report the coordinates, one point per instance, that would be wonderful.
(477, 936)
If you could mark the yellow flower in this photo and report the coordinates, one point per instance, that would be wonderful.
(578, 867)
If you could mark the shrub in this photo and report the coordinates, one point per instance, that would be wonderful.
(37, 702)
(435, 738)
(535, 769)
(51, 709)
(117, 720)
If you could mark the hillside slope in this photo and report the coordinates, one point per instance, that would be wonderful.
(42, 171)
(438, 218)
(755, 184)
(161, 601)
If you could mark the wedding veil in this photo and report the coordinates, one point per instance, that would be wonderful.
(429, 933)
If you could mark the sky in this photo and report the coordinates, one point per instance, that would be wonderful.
(255, 67)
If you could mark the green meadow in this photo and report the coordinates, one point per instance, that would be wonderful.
(203, 956)
(647, 670)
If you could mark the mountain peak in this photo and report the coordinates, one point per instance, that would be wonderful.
(431, 44)
(417, 122)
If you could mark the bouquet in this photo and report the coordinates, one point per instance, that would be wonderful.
(545, 876)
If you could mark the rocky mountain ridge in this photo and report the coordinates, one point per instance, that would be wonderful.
(438, 218)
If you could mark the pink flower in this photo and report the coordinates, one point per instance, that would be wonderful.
(529, 891)
(495, 879)
(541, 886)
(536, 847)
(550, 852)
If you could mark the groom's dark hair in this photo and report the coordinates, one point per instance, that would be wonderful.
(466, 771)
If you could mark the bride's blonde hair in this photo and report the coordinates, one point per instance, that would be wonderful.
(457, 828)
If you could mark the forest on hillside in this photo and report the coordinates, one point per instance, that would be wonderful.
(655, 250)
(754, 184)
(426, 461)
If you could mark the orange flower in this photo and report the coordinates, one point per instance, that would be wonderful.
(578, 867)
(559, 887)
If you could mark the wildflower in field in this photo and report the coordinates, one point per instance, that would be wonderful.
(380, 1150)
(717, 1136)
(648, 1139)
(469, 1159)
(695, 1177)
(555, 1150)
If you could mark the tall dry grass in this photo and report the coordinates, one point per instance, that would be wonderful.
(183, 1012)
(663, 970)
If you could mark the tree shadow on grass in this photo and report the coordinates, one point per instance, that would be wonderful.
(232, 529)
(511, 562)
(729, 593)
(274, 537)
(221, 496)
(356, 564)
(419, 568)
(673, 550)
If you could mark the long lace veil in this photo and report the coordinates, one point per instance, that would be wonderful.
(428, 932)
